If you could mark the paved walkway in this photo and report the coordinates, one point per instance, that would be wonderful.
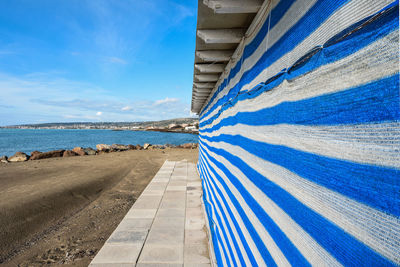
(165, 226)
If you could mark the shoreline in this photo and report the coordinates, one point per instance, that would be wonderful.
(88, 151)
(112, 129)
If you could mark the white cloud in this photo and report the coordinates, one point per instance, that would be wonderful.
(99, 113)
(166, 101)
(126, 108)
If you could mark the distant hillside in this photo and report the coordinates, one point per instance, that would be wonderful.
(107, 125)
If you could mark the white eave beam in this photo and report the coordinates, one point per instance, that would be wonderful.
(200, 95)
(214, 55)
(201, 91)
(221, 36)
(233, 6)
(210, 68)
(204, 85)
(206, 77)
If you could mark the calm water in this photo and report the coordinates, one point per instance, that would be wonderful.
(27, 140)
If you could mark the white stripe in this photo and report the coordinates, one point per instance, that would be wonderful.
(378, 230)
(377, 144)
(229, 226)
(269, 243)
(308, 247)
(344, 17)
(331, 78)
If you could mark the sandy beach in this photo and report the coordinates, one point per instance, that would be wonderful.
(61, 210)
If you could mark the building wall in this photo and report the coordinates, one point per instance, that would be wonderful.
(299, 145)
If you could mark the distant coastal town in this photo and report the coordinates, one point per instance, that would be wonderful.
(181, 125)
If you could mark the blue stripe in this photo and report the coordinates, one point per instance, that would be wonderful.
(346, 249)
(290, 251)
(237, 227)
(375, 186)
(385, 23)
(376, 101)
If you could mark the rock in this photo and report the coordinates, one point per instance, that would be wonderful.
(118, 147)
(187, 145)
(34, 154)
(103, 147)
(4, 159)
(80, 151)
(157, 147)
(132, 147)
(146, 146)
(47, 155)
(139, 147)
(18, 157)
(69, 153)
(90, 151)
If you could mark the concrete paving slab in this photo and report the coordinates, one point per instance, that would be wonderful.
(156, 187)
(194, 223)
(168, 222)
(159, 183)
(197, 264)
(153, 253)
(174, 195)
(128, 237)
(147, 202)
(173, 204)
(194, 213)
(194, 193)
(161, 179)
(171, 212)
(159, 265)
(194, 188)
(166, 236)
(193, 202)
(196, 253)
(177, 183)
(123, 253)
(128, 224)
(194, 183)
(193, 178)
(178, 176)
(176, 188)
(153, 192)
(112, 265)
(141, 213)
(195, 236)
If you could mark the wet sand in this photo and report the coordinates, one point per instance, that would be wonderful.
(62, 210)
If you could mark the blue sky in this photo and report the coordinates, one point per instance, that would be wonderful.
(95, 60)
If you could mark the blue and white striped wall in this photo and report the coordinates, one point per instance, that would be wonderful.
(300, 143)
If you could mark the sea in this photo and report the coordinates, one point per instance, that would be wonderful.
(28, 140)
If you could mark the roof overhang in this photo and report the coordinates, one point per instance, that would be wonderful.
(221, 26)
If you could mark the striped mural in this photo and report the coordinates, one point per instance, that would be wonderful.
(300, 142)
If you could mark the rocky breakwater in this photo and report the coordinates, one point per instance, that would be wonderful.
(80, 151)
